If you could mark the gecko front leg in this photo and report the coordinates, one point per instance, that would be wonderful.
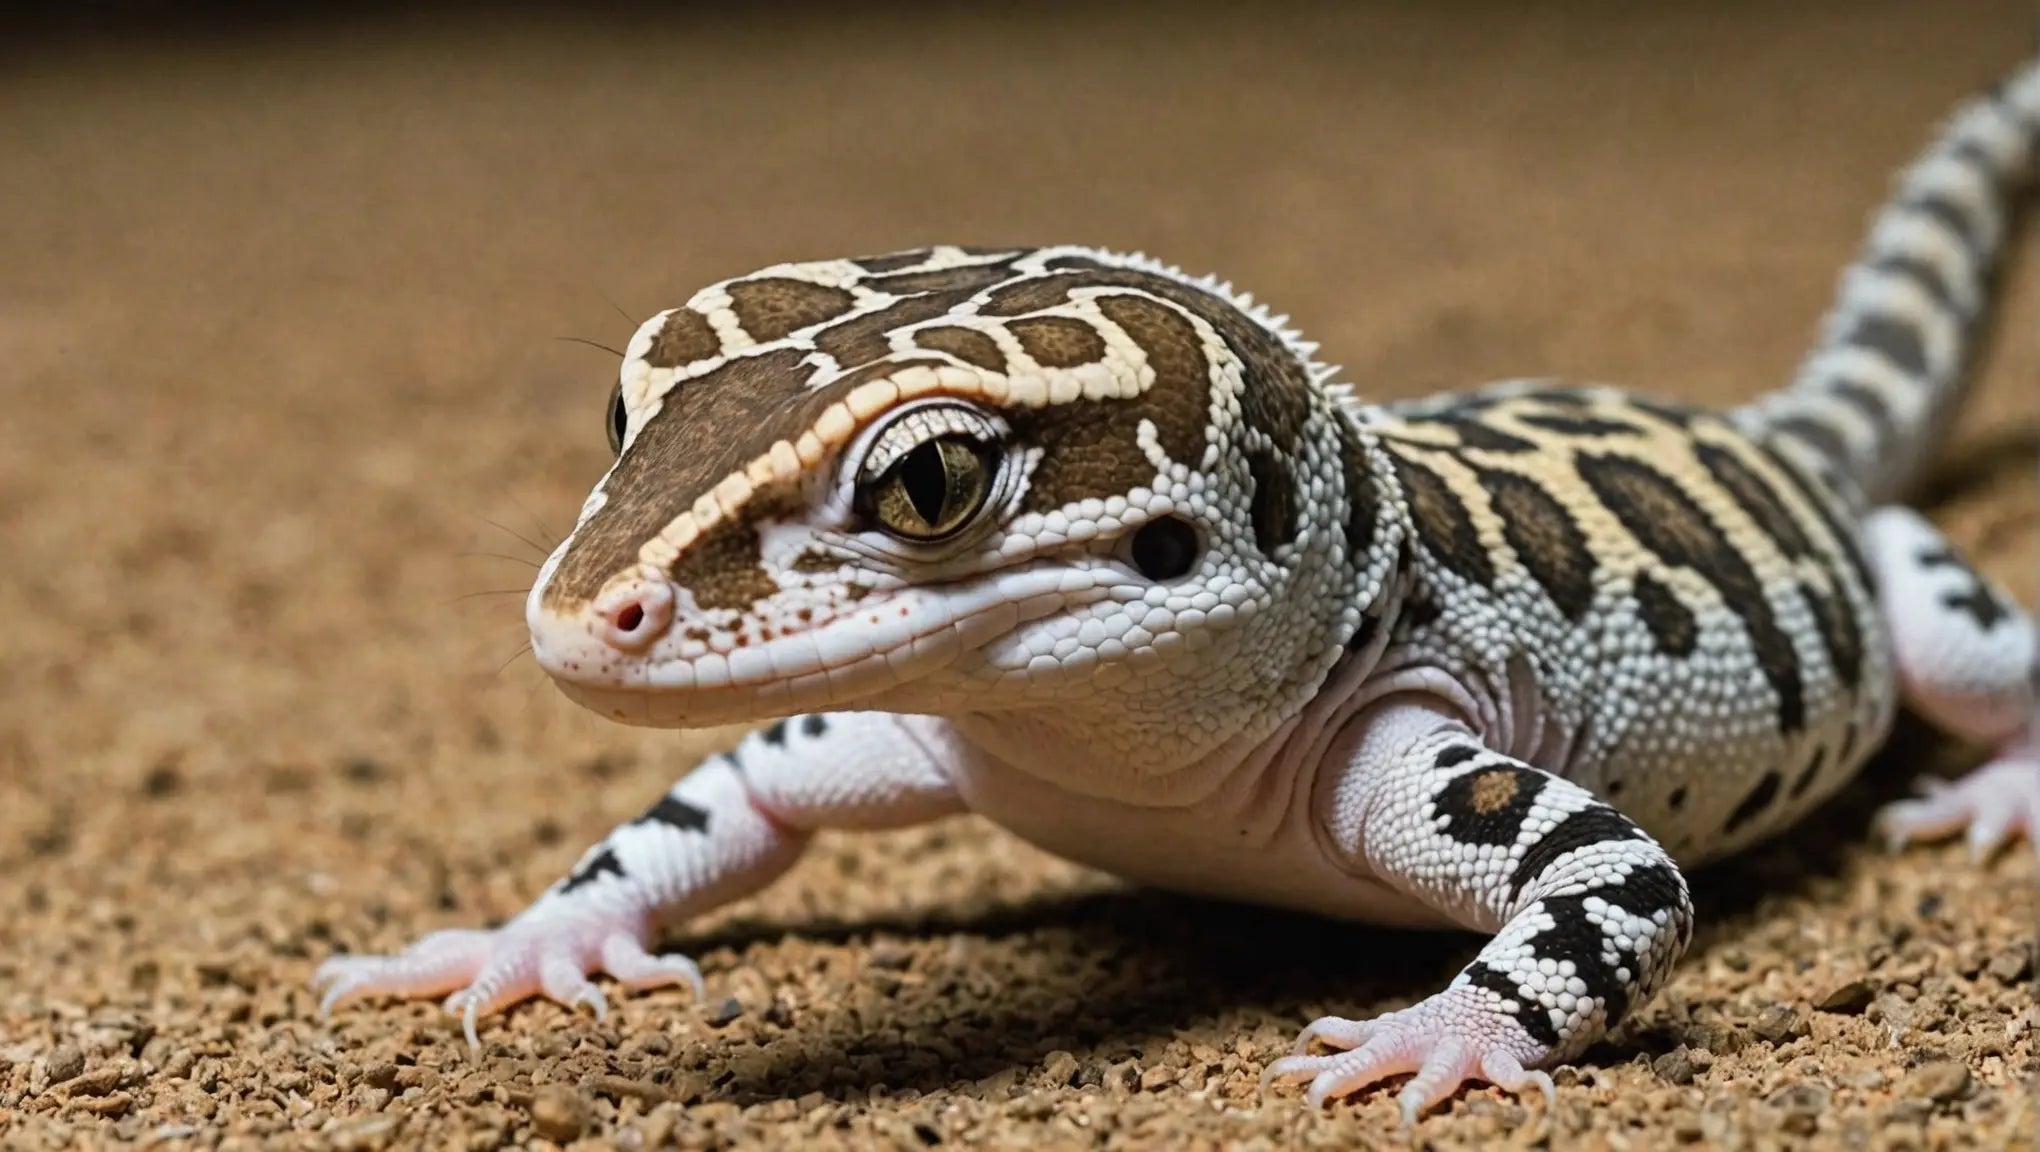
(723, 831)
(1588, 911)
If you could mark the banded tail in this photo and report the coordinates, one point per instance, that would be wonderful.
(1891, 360)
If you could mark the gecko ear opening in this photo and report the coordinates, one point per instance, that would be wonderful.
(1164, 549)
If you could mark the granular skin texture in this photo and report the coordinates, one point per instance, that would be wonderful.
(275, 314)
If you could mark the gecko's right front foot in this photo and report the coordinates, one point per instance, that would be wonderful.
(548, 950)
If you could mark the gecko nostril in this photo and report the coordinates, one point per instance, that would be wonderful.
(634, 614)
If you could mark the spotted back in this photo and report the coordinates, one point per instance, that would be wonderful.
(1675, 602)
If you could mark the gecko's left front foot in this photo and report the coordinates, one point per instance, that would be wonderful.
(1463, 1033)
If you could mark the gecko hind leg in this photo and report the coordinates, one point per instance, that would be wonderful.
(1967, 661)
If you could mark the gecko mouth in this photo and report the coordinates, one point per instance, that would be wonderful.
(852, 661)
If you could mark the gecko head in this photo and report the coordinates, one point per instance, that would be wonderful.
(954, 481)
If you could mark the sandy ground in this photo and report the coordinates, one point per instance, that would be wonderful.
(276, 345)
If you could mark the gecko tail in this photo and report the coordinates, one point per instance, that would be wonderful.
(1891, 361)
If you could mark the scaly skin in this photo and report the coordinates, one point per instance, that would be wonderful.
(1102, 552)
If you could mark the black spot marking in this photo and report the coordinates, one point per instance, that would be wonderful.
(1865, 400)
(1529, 1013)
(1672, 526)
(1578, 425)
(605, 863)
(1842, 536)
(1545, 538)
(1477, 434)
(1362, 499)
(1488, 805)
(1893, 337)
(1816, 434)
(1755, 497)
(677, 812)
(1806, 775)
(813, 724)
(1920, 272)
(1672, 624)
(1443, 524)
(1572, 936)
(1455, 755)
(1978, 601)
(1594, 824)
(1418, 612)
(774, 734)
(1274, 502)
(1753, 805)
(1838, 633)
(1677, 800)
(1370, 626)
(1950, 216)
(1677, 415)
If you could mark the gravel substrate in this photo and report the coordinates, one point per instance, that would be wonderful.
(276, 312)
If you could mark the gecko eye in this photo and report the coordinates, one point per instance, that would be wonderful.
(619, 419)
(930, 473)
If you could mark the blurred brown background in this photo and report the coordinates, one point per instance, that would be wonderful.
(278, 300)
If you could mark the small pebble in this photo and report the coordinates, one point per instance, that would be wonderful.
(726, 1012)
(1847, 999)
(66, 1063)
(1779, 1024)
(1059, 1068)
(1939, 1082)
(557, 1113)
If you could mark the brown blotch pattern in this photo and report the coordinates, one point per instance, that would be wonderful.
(965, 278)
(1274, 502)
(861, 339)
(724, 569)
(1276, 397)
(1493, 791)
(966, 344)
(773, 307)
(1058, 341)
(1672, 625)
(1092, 447)
(1546, 539)
(892, 261)
(1668, 522)
(1756, 498)
(684, 338)
(1444, 526)
(1838, 633)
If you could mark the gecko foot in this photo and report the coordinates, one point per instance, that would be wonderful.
(1455, 1036)
(1990, 805)
(486, 971)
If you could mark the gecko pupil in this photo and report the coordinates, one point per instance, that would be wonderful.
(619, 419)
(925, 476)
